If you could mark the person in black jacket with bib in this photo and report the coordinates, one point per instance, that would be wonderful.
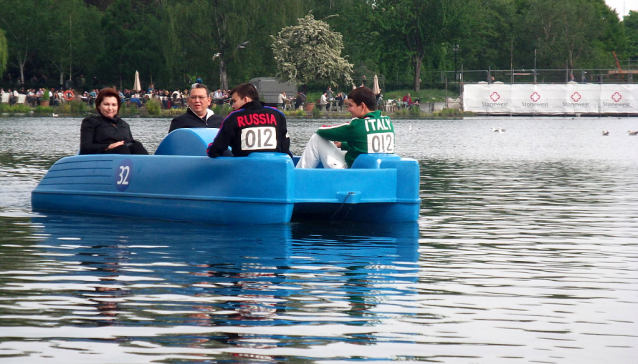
(251, 128)
(107, 133)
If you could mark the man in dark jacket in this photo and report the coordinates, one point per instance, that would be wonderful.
(252, 127)
(198, 115)
(300, 100)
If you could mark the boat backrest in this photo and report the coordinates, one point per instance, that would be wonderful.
(192, 141)
(406, 170)
(372, 160)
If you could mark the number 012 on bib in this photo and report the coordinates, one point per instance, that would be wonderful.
(261, 137)
(381, 143)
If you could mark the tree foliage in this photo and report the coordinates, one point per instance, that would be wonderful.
(630, 25)
(69, 44)
(231, 36)
(310, 52)
(405, 42)
(421, 27)
(132, 33)
(3, 51)
(570, 32)
(25, 39)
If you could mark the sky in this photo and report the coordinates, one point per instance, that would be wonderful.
(621, 5)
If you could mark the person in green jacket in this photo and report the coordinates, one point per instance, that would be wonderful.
(367, 132)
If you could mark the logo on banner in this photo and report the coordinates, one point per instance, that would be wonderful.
(616, 97)
(535, 96)
(494, 96)
(576, 96)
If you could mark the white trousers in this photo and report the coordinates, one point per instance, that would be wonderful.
(322, 150)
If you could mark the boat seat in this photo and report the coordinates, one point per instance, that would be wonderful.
(187, 141)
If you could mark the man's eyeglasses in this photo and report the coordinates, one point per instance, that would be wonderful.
(198, 97)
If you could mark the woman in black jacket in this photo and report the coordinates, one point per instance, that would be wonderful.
(106, 132)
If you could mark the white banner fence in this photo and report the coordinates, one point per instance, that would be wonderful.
(551, 99)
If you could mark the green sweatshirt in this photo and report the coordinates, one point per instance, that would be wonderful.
(373, 133)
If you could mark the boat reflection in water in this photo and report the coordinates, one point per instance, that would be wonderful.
(249, 291)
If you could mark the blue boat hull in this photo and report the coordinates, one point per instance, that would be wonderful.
(180, 183)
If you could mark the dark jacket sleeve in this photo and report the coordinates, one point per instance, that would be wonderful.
(215, 121)
(87, 137)
(284, 139)
(129, 135)
(222, 140)
(175, 124)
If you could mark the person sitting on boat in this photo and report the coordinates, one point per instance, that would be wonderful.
(368, 132)
(106, 132)
(198, 115)
(251, 127)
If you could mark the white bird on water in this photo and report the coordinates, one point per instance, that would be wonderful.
(410, 127)
(54, 115)
(498, 130)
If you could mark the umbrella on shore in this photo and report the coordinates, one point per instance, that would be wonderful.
(136, 85)
(375, 86)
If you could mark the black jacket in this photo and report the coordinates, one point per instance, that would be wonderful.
(252, 128)
(191, 120)
(98, 132)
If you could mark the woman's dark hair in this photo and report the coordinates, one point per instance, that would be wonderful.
(245, 90)
(364, 95)
(107, 92)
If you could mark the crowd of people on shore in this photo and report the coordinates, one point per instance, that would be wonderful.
(32, 92)
(328, 99)
(168, 99)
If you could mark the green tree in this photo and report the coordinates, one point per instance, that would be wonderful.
(220, 33)
(360, 39)
(487, 44)
(25, 34)
(3, 52)
(70, 46)
(310, 52)
(630, 23)
(570, 33)
(422, 27)
(132, 35)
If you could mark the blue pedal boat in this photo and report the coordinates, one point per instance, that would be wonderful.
(179, 182)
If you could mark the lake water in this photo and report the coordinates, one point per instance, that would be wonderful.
(526, 251)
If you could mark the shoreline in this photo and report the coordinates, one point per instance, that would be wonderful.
(128, 113)
(311, 116)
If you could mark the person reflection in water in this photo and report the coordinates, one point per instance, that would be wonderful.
(106, 132)
(250, 308)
